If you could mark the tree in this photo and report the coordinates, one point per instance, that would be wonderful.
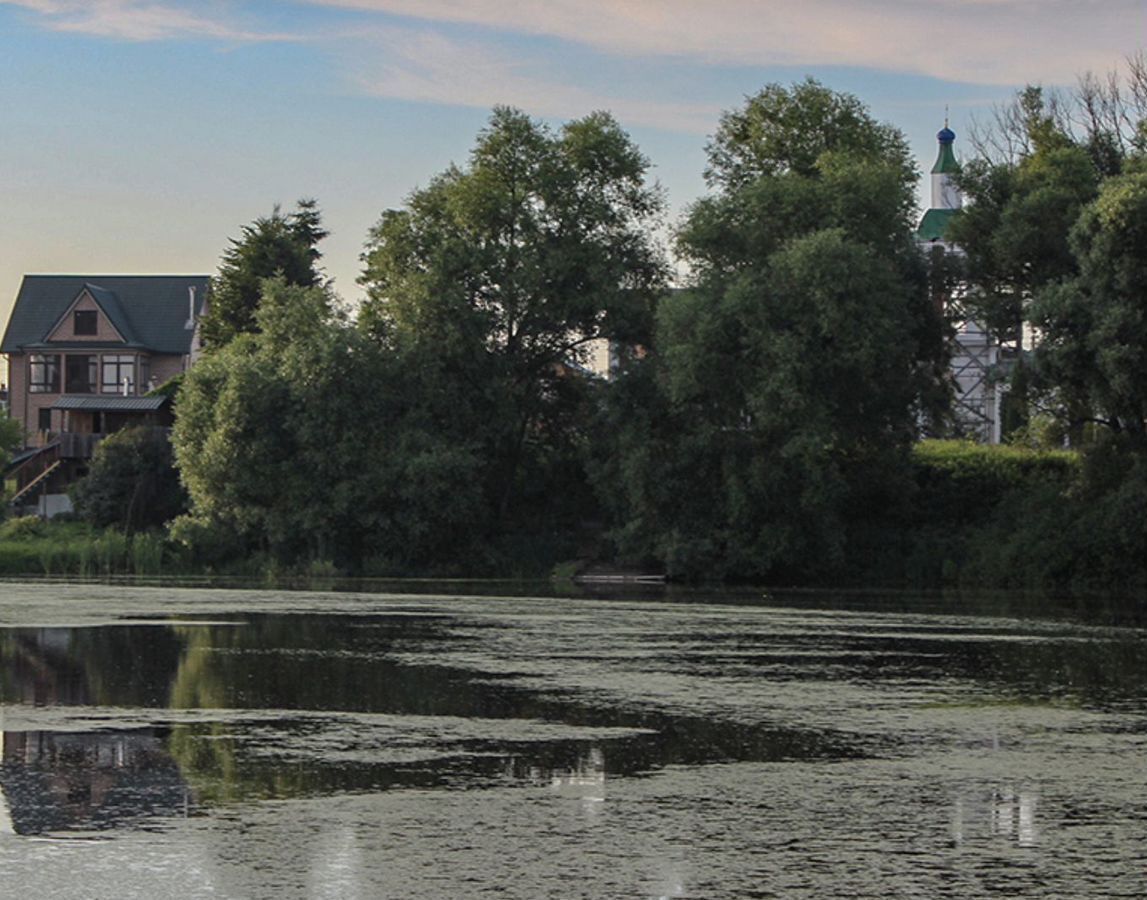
(789, 129)
(1104, 114)
(497, 277)
(793, 374)
(1093, 347)
(132, 484)
(305, 441)
(276, 245)
(1014, 230)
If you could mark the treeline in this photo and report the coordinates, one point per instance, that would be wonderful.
(761, 423)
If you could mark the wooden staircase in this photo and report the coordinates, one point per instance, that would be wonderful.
(35, 481)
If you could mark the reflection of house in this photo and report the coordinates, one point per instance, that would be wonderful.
(977, 361)
(83, 350)
(62, 780)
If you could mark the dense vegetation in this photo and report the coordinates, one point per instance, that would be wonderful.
(763, 421)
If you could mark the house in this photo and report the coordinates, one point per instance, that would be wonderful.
(83, 352)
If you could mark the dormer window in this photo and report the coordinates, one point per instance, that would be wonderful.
(85, 322)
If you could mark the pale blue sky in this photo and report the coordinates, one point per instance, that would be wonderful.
(139, 135)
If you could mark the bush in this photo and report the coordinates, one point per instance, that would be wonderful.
(133, 484)
(21, 528)
(961, 483)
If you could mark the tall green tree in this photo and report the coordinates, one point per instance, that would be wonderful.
(279, 245)
(794, 373)
(1014, 229)
(1093, 326)
(307, 440)
(496, 278)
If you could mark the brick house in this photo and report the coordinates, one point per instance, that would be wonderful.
(83, 351)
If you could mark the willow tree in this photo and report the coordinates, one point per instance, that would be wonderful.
(496, 278)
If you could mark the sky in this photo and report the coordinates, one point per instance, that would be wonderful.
(141, 135)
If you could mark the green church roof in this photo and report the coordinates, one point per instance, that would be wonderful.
(934, 225)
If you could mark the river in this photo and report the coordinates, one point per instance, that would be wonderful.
(205, 743)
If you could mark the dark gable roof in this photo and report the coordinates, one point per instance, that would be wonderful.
(150, 311)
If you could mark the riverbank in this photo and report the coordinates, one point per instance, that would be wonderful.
(973, 517)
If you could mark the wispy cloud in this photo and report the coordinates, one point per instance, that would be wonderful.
(976, 41)
(470, 52)
(140, 20)
(422, 65)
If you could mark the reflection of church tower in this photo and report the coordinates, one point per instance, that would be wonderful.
(975, 362)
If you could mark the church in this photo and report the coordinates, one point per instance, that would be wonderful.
(978, 364)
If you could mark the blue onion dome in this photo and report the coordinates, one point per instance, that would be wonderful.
(946, 135)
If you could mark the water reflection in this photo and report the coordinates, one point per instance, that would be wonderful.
(296, 706)
(1002, 812)
(467, 747)
(56, 781)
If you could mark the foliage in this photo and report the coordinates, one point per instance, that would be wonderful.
(278, 245)
(11, 437)
(21, 527)
(789, 129)
(302, 442)
(1014, 230)
(1104, 113)
(982, 469)
(60, 548)
(1093, 346)
(132, 483)
(492, 283)
(788, 383)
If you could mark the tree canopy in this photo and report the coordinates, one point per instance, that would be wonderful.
(278, 245)
(1014, 228)
(499, 275)
(790, 128)
(303, 440)
(1093, 328)
(797, 366)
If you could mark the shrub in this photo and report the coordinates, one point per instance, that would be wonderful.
(133, 484)
(22, 528)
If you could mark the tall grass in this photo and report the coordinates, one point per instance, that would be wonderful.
(147, 554)
(71, 548)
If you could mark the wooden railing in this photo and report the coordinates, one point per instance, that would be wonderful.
(26, 489)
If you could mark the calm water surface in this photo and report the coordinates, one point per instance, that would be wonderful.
(161, 742)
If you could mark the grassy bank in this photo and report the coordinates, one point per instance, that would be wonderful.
(31, 547)
(977, 518)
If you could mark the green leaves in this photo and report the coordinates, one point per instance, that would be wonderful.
(284, 246)
(1094, 326)
(788, 381)
(132, 484)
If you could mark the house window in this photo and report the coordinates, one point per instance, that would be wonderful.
(44, 373)
(116, 368)
(79, 374)
(45, 420)
(85, 322)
